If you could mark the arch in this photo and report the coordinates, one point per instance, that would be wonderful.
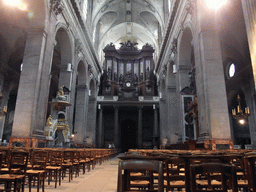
(103, 25)
(116, 35)
(62, 55)
(63, 39)
(153, 25)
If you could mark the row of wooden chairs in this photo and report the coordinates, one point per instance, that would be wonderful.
(208, 170)
(39, 163)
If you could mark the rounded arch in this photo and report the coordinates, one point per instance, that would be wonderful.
(63, 42)
(62, 56)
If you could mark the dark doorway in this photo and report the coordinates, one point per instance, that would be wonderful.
(128, 135)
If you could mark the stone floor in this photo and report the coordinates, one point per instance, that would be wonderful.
(102, 179)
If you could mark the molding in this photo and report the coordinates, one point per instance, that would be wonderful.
(56, 7)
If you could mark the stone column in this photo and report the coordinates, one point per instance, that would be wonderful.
(91, 122)
(28, 92)
(249, 10)
(140, 128)
(211, 92)
(80, 123)
(155, 131)
(163, 110)
(116, 128)
(101, 128)
(173, 117)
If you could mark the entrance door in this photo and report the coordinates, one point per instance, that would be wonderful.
(128, 135)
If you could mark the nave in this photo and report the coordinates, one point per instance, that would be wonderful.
(103, 178)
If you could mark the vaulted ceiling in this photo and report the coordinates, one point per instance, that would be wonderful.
(116, 21)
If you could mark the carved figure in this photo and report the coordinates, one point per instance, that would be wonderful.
(49, 121)
(60, 91)
(60, 94)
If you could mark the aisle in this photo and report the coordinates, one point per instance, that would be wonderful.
(102, 179)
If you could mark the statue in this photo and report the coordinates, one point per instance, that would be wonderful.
(60, 91)
(60, 94)
(49, 121)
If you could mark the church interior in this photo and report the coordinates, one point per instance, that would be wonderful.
(165, 81)
(127, 73)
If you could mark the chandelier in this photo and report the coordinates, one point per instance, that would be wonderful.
(239, 114)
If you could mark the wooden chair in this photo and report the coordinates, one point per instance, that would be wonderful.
(213, 177)
(76, 162)
(126, 167)
(54, 166)
(84, 160)
(39, 160)
(175, 176)
(6, 155)
(17, 171)
(68, 164)
(250, 161)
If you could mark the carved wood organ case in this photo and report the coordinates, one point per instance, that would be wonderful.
(128, 72)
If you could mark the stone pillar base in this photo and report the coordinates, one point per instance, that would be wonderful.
(217, 144)
(26, 142)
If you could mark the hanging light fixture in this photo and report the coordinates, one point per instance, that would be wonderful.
(239, 114)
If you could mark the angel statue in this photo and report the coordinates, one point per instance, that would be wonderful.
(49, 121)
(60, 91)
